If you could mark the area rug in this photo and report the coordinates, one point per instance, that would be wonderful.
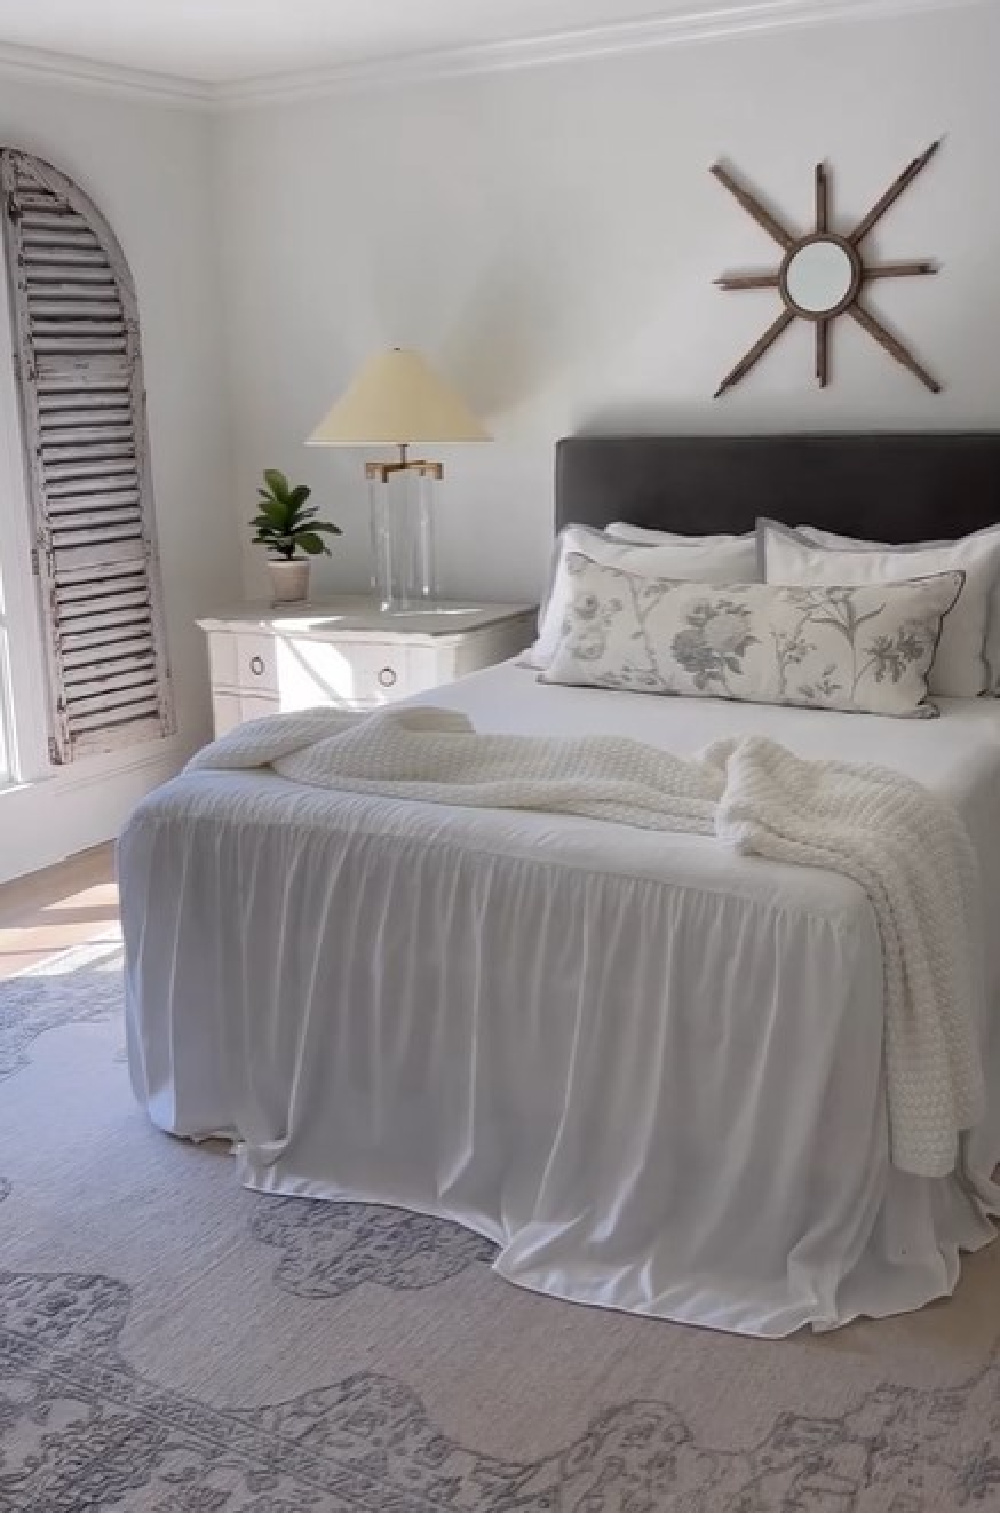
(169, 1340)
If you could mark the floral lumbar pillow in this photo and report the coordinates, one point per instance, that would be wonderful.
(862, 647)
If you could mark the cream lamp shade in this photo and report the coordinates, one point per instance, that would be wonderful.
(397, 398)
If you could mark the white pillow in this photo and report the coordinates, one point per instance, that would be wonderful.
(620, 530)
(960, 668)
(989, 534)
(820, 538)
(704, 560)
(860, 647)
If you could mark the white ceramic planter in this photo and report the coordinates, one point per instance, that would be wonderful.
(289, 579)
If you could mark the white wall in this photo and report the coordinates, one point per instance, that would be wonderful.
(551, 237)
(149, 169)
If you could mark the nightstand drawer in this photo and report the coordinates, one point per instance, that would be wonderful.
(256, 664)
(256, 706)
(345, 673)
(429, 667)
(231, 709)
(381, 671)
(223, 659)
(225, 711)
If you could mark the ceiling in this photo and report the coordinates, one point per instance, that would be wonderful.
(219, 42)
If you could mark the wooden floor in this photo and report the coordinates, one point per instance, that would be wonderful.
(67, 905)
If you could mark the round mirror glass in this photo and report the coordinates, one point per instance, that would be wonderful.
(819, 276)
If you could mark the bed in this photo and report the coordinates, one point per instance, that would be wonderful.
(651, 1071)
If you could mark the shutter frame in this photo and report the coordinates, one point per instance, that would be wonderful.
(78, 363)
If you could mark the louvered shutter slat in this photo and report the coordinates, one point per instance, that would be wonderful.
(139, 673)
(43, 213)
(117, 712)
(138, 700)
(84, 437)
(77, 533)
(74, 580)
(114, 650)
(44, 278)
(88, 503)
(128, 735)
(106, 619)
(84, 422)
(82, 609)
(78, 305)
(77, 346)
(80, 406)
(83, 685)
(113, 551)
(64, 244)
(75, 600)
(67, 257)
(31, 198)
(63, 327)
(72, 414)
(39, 221)
(83, 485)
(85, 384)
(98, 446)
(88, 493)
(71, 512)
(94, 655)
(98, 374)
(76, 292)
(102, 469)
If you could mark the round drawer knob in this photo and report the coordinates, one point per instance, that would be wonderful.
(387, 677)
(257, 665)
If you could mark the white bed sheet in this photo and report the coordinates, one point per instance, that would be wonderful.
(648, 1068)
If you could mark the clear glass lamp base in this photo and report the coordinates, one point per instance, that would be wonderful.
(402, 527)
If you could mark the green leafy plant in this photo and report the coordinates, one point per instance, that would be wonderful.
(284, 521)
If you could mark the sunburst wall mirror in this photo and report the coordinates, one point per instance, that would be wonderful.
(822, 275)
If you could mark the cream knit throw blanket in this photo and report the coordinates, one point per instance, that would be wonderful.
(906, 848)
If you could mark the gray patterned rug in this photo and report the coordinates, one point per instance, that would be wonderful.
(171, 1341)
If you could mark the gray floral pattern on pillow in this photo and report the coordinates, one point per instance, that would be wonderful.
(864, 647)
(713, 643)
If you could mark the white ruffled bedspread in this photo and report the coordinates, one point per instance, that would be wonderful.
(906, 847)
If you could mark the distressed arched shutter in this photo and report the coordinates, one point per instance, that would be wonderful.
(79, 368)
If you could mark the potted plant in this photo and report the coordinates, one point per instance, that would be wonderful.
(288, 526)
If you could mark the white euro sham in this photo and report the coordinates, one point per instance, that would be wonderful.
(960, 666)
(645, 536)
(975, 542)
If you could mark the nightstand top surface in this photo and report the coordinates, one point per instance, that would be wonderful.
(358, 614)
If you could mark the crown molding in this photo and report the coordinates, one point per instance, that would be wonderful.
(682, 23)
(35, 66)
(679, 22)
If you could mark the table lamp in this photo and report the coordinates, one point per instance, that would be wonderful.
(398, 399)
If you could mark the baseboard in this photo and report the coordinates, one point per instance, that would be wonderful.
(43, 823)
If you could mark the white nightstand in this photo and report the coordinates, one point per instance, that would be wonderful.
(350, 653)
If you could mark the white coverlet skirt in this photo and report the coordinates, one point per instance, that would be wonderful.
(651, 1071)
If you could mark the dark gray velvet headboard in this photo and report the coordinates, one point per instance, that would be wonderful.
(888, 486)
